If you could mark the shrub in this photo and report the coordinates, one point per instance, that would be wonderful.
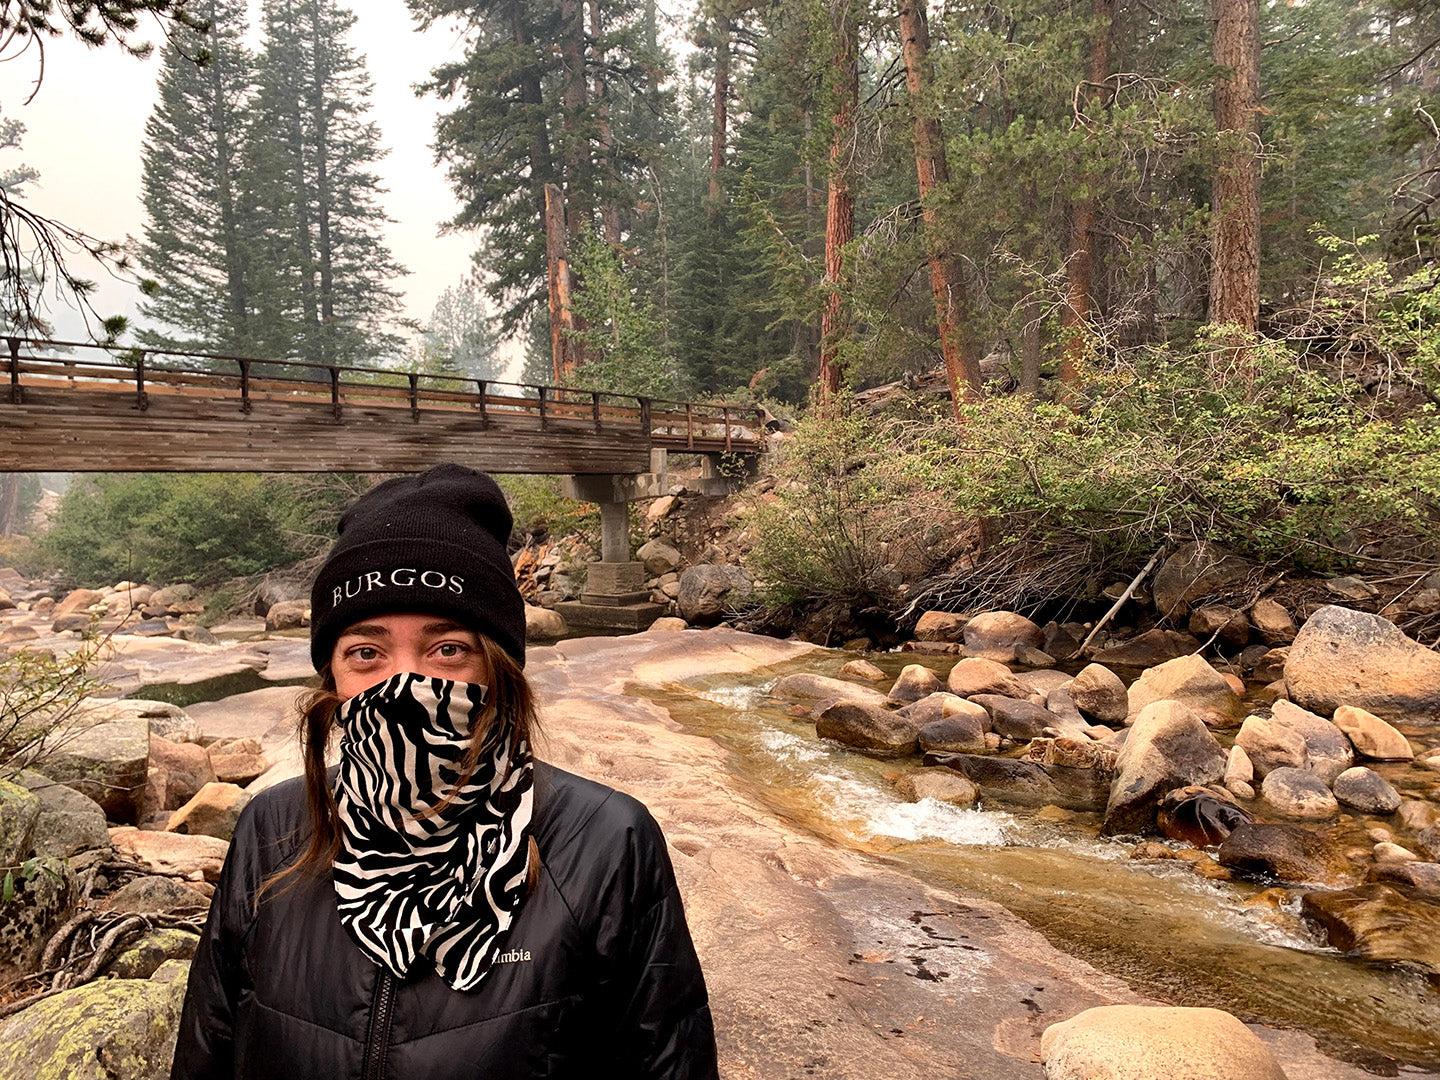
(41, 699)
(195, 527)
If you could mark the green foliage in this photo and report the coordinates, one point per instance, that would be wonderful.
(1276, 458)
(625, 350)
(538, 507)
(841, 511)
(194, 527)
(42, 699)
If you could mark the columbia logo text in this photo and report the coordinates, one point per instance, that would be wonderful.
(514, 956)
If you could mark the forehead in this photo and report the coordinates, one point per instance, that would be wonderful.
(404, 624)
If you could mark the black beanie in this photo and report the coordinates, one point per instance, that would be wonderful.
(428, 543)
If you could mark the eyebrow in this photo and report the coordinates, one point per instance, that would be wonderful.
(440, 626)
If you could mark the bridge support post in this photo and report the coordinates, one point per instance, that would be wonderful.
(615, 597)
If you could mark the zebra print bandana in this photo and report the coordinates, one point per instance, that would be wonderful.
(444, 884)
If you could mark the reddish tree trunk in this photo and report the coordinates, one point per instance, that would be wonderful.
(1079, 263)
(1235, 200)
(947, 282)
(562, 346)
(840, 209)
(721, 107)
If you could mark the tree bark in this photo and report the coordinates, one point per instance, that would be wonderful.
(840, 209)
(1235, 199)
(721, 107)
(558, 275)
(932, 170)
(609, 212)
(1079, 263)
(9, 504)
(576, 155)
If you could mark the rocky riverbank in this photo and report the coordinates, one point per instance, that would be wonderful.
(820, 961)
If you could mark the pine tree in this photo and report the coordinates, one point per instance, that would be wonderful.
(460, 335)
(195, 238)
(325, 297)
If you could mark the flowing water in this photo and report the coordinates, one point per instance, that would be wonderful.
(1163, 928)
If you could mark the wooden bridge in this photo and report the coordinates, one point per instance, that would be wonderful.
(76, 407)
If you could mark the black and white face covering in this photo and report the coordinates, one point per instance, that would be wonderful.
(412, 881)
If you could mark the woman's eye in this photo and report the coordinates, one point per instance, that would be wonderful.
(450, 649)
(365, 653)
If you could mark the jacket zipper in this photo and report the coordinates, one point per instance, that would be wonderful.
(377, 1045)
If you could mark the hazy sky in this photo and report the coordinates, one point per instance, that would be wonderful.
(84, 129)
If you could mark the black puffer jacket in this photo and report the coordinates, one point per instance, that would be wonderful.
(599, 977)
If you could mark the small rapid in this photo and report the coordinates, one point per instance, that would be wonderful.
(1168, 931)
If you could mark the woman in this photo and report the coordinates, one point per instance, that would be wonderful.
(441, 905)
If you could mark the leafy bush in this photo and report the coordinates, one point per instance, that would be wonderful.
(843, 511)
(194, 527)
(41, 701)
(538, 506)
(1276, 457)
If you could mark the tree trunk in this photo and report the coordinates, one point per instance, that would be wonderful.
(932, 170)
(1079, 264)
(721, 107)
(609, 212)
(1034, 314)
(9, 504)
(576, 156)
(325, 249)
(1235, 199)
(840, 209)
(236, 286)
(558, 275)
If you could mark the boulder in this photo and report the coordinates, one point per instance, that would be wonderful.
(1195, 571)
(1428, 841)
(1372, 737)
(669, 623)
(1042, 682)
(1168, 746)
(187, 769)
(106, 762)
(19, 812)
(1072, 754)
(1356, 590)
(192, 857)
(1100, 693)
(822, 688)
(1229, 628)
(866, 727)
(167, 598)
(1149, 649)
(1270, 667)
(1272, 621)
(1063, 640)
(150, 628)
(1061, 705)
(1367, 791)
(708, 593)
(112, 1029)
(658, 557)
(1015, 719)
(1299, 793)
(157, 895)
(942, 785)
(1270, 744)
(77, 602)
(543, 624)
(1028, 783)
(1422, 877)
(915, 682)
(1328, 752)
(196, 635)
(212, 812)
(1191, 681)
(995, 634)
(45, 896)
(288, 615)
(1238, 766)
(864, 669)
(69, 823)
(959, 733)
(1199, 816)
(1347, 657)
(1290, 853)
(144, 957)
(1145, 1042)
(941, 626)
(238, 768)
(975, 675)
(1378, 923)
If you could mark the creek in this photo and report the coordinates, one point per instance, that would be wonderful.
(1166, 930)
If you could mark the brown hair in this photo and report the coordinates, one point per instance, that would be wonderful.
(510, 695)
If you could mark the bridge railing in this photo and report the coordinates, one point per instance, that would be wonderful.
(252, 383)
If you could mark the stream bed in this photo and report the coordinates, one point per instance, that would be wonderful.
(1169, 932)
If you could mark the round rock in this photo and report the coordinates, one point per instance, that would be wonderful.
(1367, 791)
(1299, 793)
(1138, 1042)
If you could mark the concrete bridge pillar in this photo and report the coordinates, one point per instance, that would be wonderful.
(615, 596)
